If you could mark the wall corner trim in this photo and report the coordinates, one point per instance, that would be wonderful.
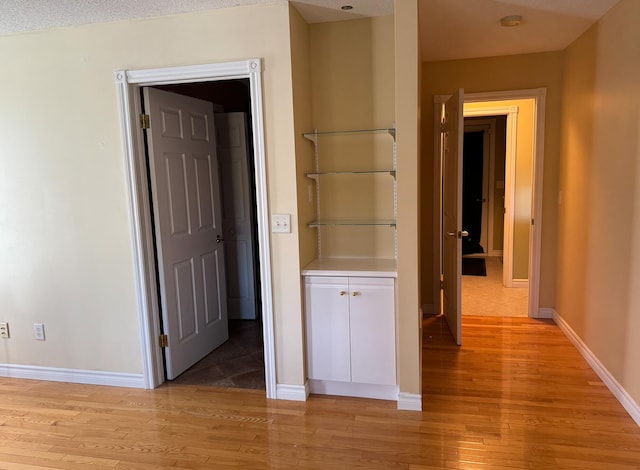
(90, 377)
(409, 401)
(292, 392)
(609, 380)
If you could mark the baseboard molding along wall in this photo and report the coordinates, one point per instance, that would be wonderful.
(90, 377)
(609, 380)
(520, 283)
(409, 401)
(292, 392)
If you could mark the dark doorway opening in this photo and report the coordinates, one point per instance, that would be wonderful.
(472, 191)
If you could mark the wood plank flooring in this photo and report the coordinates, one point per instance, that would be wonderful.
(517, 395)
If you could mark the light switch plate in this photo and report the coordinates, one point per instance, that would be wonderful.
(38, 331)
(281, 223)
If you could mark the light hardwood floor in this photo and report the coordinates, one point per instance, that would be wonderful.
(516, 395)
(487, 296)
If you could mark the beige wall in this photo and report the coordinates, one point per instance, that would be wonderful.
(64, 223)
(352, 83)
(407, 70)
(523, 179)
(301, 78)
(495, 74)
(599, 218)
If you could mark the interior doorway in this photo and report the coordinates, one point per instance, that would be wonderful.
(528, 210)
(129, 84)
(483, 207)
(239, 360)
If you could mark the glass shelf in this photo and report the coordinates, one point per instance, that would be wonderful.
(366, 172)
(353, 223)
(314, 135)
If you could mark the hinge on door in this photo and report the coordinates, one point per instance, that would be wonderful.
(441, 284)
(144, 121)
(443, 127)
(164, 341)
(532, 221)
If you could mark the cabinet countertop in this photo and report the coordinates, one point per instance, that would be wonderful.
(364, 267)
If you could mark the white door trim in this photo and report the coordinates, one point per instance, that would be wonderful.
(129, 83)
(539, 95)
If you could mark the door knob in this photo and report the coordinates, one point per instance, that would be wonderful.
(460, 234)
(342, 293)
(356, 293)
(219, 239)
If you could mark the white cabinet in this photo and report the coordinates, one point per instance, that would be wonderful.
(351, 334)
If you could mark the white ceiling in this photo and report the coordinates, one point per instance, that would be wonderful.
(450, 29)
(458, 29)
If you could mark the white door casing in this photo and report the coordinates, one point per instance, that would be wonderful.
(452, 141)
(128, 84)
(187, 210)
(237, 212)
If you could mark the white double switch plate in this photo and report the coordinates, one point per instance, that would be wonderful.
(281, 223)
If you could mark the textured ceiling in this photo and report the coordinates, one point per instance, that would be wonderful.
(29, 15)
(449, 29)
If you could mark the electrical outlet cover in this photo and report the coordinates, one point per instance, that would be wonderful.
(281, 223)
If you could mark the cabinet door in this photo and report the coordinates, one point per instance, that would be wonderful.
(327, 312)
(373, 338)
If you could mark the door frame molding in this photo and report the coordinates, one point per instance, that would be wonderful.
(128, 84)
(535, 241)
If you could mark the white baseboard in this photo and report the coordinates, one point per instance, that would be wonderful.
(544, 313)
(495, 253)
(292, 392)
(352, 389)
(91, 377)
(520, 283)
(609, 380)
(428, 309)
(409, 401)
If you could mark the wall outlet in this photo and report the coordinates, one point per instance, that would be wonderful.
(281, 223)
(38, 331)
(4, 330)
